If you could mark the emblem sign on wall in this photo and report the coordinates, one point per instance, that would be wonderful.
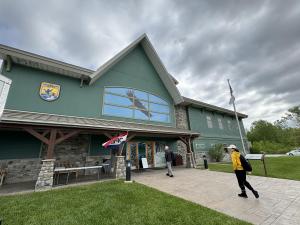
(49, 92)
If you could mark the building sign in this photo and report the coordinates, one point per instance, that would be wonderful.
(49, 92)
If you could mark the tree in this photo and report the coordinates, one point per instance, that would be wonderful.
(293, 114)
(262, 130)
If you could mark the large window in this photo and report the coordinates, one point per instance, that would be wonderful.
(131, 103)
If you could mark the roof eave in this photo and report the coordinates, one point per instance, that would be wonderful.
(37, 61)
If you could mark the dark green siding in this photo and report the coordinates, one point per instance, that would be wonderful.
(134, 71)
(18, 145)
(215, 135)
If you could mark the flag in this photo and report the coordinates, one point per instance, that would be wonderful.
(232, 98)
(117, 140)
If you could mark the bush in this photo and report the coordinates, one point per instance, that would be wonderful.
(269, 147)
(217, 152)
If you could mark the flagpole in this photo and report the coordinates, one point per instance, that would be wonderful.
(236, 117)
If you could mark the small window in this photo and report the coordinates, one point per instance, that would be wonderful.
(229, 124)
(220, 124)
(209, 122)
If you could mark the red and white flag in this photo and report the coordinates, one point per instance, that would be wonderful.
(117, 140)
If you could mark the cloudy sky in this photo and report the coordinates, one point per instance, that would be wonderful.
(202, 43)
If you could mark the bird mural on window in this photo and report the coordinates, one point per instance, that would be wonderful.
(138, 104)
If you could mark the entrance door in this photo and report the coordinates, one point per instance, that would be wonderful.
(138, 150)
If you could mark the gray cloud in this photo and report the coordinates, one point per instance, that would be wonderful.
(202, 43)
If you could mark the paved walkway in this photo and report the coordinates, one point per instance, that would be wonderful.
(279, 201)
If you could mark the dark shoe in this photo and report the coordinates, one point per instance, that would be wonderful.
(168, 174)
(256, 194)
(243, 195)
(171, 176)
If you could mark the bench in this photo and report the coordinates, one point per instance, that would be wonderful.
(68, 171)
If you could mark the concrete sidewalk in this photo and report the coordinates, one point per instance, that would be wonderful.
(279, 201)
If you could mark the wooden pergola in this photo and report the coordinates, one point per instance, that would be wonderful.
(54, 135)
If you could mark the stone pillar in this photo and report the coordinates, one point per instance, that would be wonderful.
(45, 178)
(189, 161)
(120, 168)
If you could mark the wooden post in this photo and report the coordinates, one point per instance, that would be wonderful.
(137, 156)
(153, 152)
(146, 151)
(263, 159)
(190, 150)
(128, 151)
(51, 144)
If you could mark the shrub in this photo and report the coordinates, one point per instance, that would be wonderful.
(217, 152)
(269, 147)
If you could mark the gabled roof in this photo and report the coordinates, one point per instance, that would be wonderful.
(29, 59)
(153, 57)
(43, 63)
(213, 108)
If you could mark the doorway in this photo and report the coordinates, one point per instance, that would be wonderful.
(135, 151)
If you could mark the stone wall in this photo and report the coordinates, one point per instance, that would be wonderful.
(181, 117)
(45, 178)
(21, 170)
(73, 150)
(182, 150)
(181, 122)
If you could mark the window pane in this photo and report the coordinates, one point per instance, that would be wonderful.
(159, 108)
(159, 117)
(120, 91)
(117, 111)
(141, 95)
(153, 98)
(117, 100)
(141, 104)
(209, 122)
(141, 114)
(220, 124)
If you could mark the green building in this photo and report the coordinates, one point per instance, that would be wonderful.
(65, 112)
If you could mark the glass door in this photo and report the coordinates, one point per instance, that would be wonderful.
(138, 150)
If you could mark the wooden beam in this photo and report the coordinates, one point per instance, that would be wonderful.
(37, 135)
(64, 137)
(130, 137)
(51, 144)
(61, 134)
(45, 133)
(183, 140)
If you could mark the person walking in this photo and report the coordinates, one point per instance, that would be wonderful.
(169, 158)
(240, 172)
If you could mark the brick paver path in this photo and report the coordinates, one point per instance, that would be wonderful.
(279, 201)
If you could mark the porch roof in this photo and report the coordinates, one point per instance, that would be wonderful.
(45, 119)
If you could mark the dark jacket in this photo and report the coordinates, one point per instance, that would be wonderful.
(169, 156)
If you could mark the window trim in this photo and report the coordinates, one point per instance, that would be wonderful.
(136, 108)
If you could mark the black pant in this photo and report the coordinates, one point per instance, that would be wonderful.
(241, 177)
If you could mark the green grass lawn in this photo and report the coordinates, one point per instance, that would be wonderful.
(279, 167)
(106, 203)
